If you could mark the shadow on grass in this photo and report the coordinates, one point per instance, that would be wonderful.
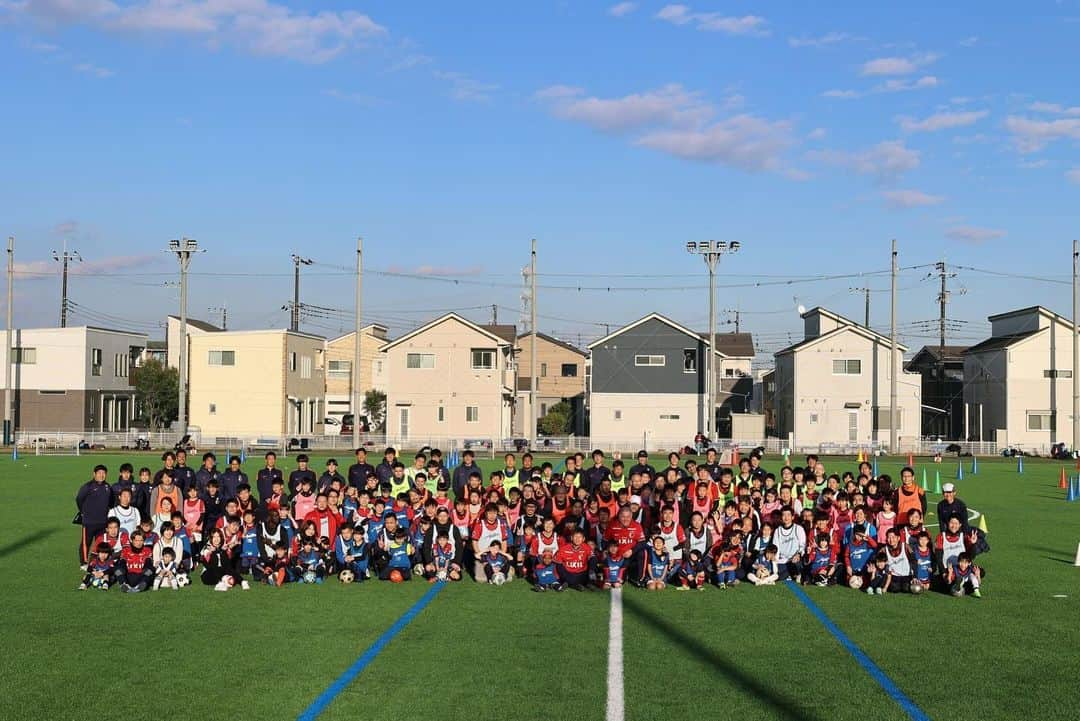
(25, 541)
(749, 684)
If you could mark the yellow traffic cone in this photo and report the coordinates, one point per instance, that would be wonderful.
(982, 523)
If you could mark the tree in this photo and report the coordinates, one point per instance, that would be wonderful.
(375, 408)
(156, 388)
(558, 420)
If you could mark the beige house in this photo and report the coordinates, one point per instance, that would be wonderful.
(450, 380)
(172, 336)
(256, 384)
(560, 376)
(834, 386)
(339, 359)
(1018, 383)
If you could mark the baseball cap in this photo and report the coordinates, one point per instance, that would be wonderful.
(635, 499)
(948, 488)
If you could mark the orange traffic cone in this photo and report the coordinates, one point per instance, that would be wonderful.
(911, 460)
(1062, 484)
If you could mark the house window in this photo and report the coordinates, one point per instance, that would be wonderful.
(440, 414)
(1057, 374)
(1040, 421)
(813, 418)
(305, 367)
(292, 362)
(121, 363)
(52, 393)
(847, 367)
(472, 414)
(569, 370)
(339, 368)
(213, 409)
(649, 360)
(222, 358)
(669, 416)
(543, 370)
(729, 372)
(24, 356)
(420, 360)
(618, 415)
(689, 360)
(95, 361)
(543, 409)
(483, 359)
(883, 420)
(378, 366)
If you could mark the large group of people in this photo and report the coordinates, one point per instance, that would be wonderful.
(583, 525)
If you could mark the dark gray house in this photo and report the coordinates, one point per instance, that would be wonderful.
(942, 371)
(647, 382)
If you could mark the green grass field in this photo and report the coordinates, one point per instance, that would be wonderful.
(485, 652)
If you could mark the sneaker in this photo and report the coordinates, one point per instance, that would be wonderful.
(957, 594)
(174, 585)
(870, 591)
(82, 567)
(82, 586)
(977, 593)
(221, 586)
(682, 588)
(701, 587)
(157, 584)
(245, 585)
(881, 592)
(558, 588)
(821, 584)
(736, 582)
(538, 588)
(577, 587)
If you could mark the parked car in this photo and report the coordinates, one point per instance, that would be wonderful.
(347, 424)
(331, 426)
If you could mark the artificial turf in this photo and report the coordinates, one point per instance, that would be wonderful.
(482, 652)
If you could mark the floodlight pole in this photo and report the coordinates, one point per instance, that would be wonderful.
(710, 251)
(183, 250)
(356, 398)
(9, 350)
(297, 262)
(532, 350)
(1075, 350)
(893, 365)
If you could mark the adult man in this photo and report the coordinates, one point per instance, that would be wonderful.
(265, 478)
(790, 541)
(360, 471)
(384, 470)
(462, 472)
(183, 474)
(169, 459)
(909, 495)
(952, 507)
(94, 499)
(628, 538)
(599, 472)
(231, 479)
(643, 466)
(206, 473)
(326, 480)
(712, 464)
(297, 476)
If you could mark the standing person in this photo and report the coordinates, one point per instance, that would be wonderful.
(908, 495)
(265, 478)
(643, 466)
(169, 459)
(183, 474)
(385, 470)
(597, 474)
(302, 471)
(952, 507)
(462, 472)
(94, 499)
(361, 471)
(231, 479)
(329, 476)
(208, 472)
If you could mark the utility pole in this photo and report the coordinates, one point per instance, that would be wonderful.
(65, 257)
(532, 347)
(9, 349)
(356, 402)
(710, 251)
(297, 262)
(183, 250)
(893, 446)
(494, 314)
(1075, 344)
(866, 298)
(224, 315)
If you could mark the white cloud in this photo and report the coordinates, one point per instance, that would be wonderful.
(885, 161)
(95, 70)
(942, 121)
(713, 22)
(369, 101)
(897, 65)
(410, 61)
(622, 9)
(1030, 135)
(466, 88)
(681, 123)
(817, 134)
(902, 199)
(260, 27)
(43, 269)
(973, 234)
(820, 41)
(1053, 109)
(841, 94)
(1073, 176)
(969, 42)
(898, 85)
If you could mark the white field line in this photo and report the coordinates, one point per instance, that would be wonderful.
(615, 703)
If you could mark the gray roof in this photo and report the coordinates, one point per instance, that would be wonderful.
(733, 345)
(200, 324)
(554, 341)
(999, 342)
(952, 352)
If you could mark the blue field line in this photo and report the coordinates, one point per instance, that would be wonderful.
(883, 680)
(341, 682)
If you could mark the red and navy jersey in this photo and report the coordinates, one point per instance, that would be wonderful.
(96, 565)
(545, 574)
(575, 559)
(822, 561)
(624, 537)
(136, 560)
(924, 564)
(615, 570)
(496, 561)
(857, 555)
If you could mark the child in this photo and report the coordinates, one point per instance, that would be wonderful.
(659, 563)
(692, 572)
(614, 569)
(878, 576)
(310, 567)
(964, 577)
(546, 575)
(398, 552)
(821, 565)
(136, 568)
(765, 571)
(857, 555)
(727, 564)
(100, 569)
(886, 518)
(923, 556)
(443, 556)
(166, 570)
(350, 552)
(249, 547)
(497, 564)
(275, 570)
(218, 567)
(900, 566)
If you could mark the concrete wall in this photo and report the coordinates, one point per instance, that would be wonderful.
(640, 417)
(985, 377)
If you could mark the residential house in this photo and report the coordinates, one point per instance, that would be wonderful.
(340, 353)
(450, 380)
(1018, 383)
(647, 382)
(251, 384)
(560, 376)
(75, 378)
(172, 336)
(154, 350)
(833, 387)
(942, 370)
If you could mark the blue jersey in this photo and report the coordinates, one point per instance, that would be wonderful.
(615, 569)
(185, 539)
(249, 544)
(859, 554)
(821, 561)
(497, 562)
(310, 560)
(924, 564)
(444, 556)
(658, 564)
(374, 529)
(545, 575)
(290, 530)
(690, 568)
(348, 507)
(399, 555)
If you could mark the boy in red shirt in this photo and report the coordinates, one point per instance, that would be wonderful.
(572, 561)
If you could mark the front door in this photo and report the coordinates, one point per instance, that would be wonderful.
(853, 426)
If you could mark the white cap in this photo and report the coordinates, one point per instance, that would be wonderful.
(948, 488)
(635, 499)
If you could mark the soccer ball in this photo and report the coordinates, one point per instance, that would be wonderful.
(310, 577)
(498, 579)
(346, 576)
(855, 582)
(418, 569)
(102, 583)
(916, 587)
(230, 581)
(183, 579)
(441, 575)
(396, 577)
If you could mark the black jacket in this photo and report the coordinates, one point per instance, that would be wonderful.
(946, 510)
(94, 501)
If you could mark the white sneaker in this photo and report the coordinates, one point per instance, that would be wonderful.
(221, 586)
(82, 567)
(157, 584)
(174, 585)
(245, 585)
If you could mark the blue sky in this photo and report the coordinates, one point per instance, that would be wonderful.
(448, 135)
